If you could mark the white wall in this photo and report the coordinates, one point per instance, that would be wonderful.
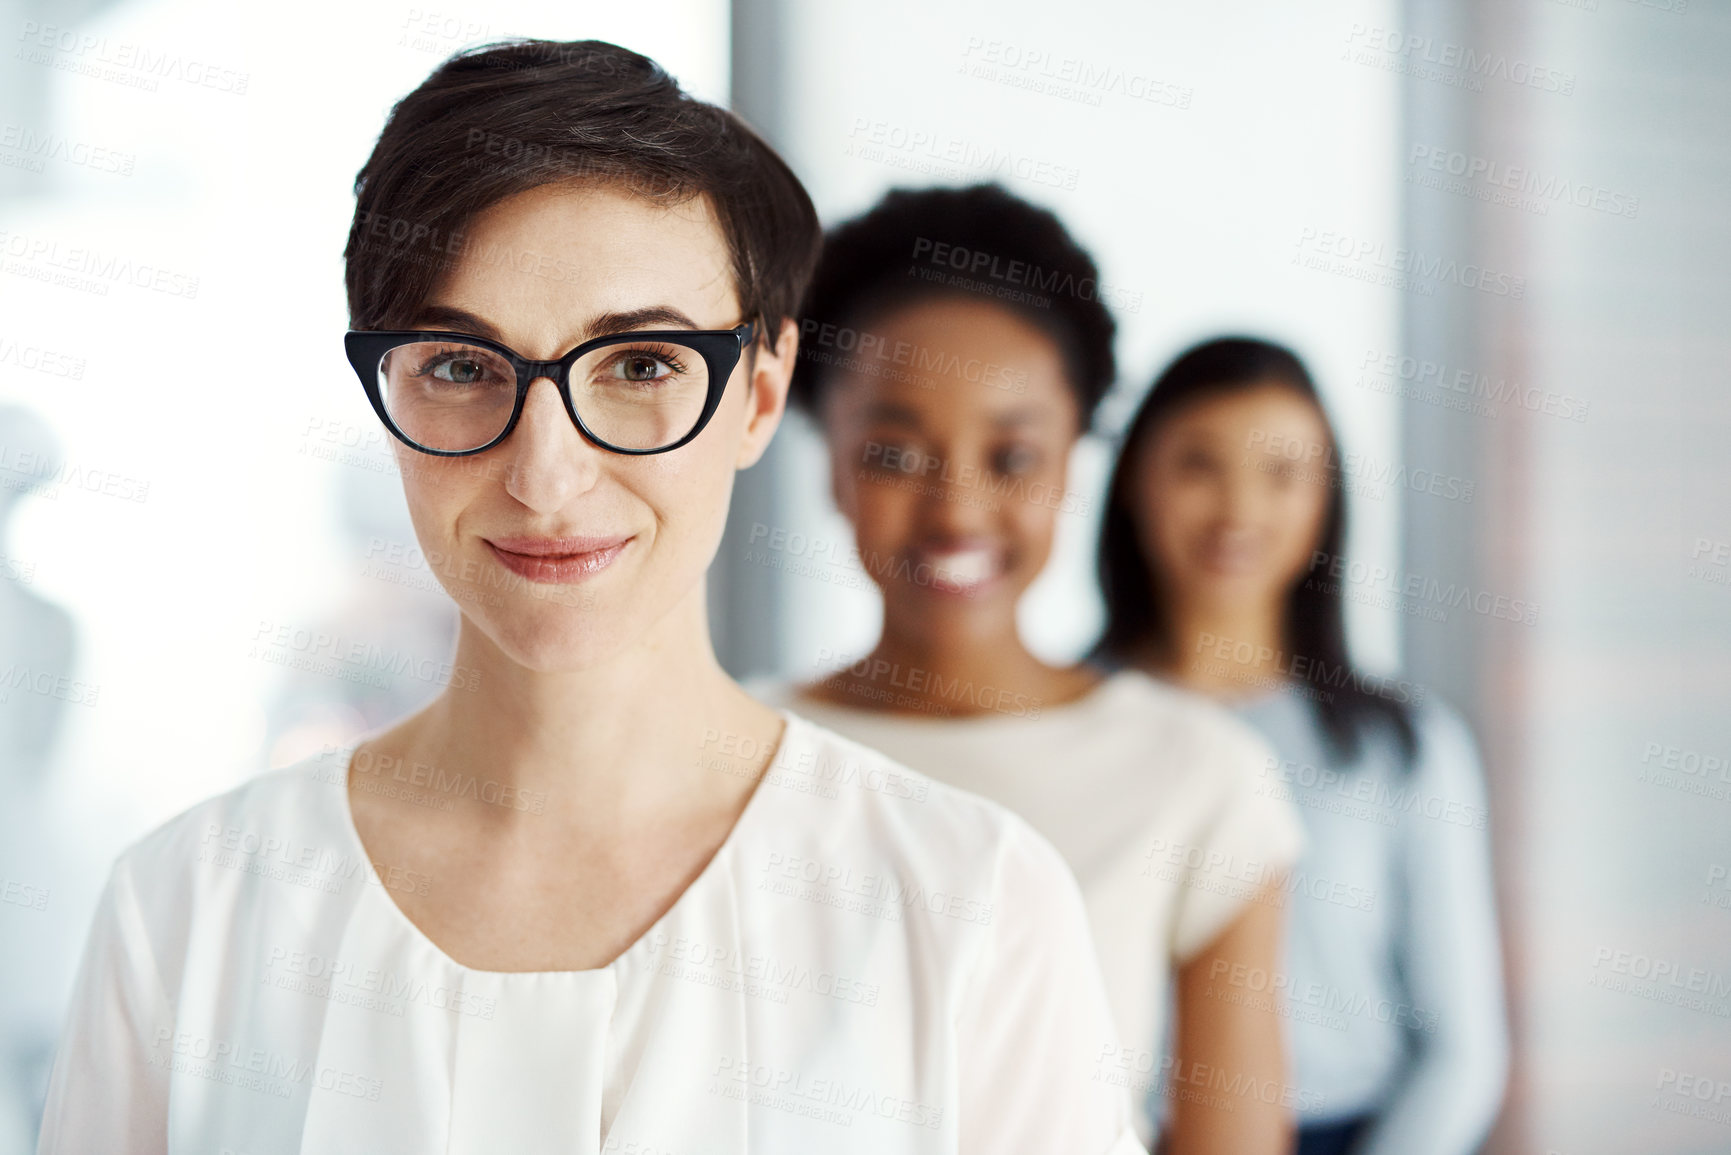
(1245, 130)
(1601, 717)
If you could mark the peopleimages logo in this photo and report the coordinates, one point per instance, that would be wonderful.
(39, 360)
(1461, 65)
(1374, 474)
(1066, 77)
(938, 153)
(1547, 188)
(866, 353)
(1422, 375)
(138, 65)
(830, 1100)
(1382, 801)
(40, 146)
(1450, 595)
(1397, 267)
(893, 459)
(1303, 669)
(979, 263)
(886, 895)
(86, 268)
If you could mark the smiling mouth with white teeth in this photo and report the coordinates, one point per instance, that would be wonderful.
(962, 570)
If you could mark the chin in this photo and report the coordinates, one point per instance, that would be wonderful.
(953, 608)
(1233, 590)
(551, 638)
(1236, 578)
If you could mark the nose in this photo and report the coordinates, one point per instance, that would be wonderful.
(548, 462)
(954, 507)
(1240, 499)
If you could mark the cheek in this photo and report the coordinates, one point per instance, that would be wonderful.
(1297, 524)
(845, 483)
(1184, 511)
(1032, 517)
(437, 490)
(1302, 511)
(1032, 526)
(688, 495)
(881, 514)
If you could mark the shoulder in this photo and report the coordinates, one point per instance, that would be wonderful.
(297, 801)
(769, 690)
(914, 825)
(1194, 729)
(1437, 720)
(1218, 788)
(281, 826)
(1447, 753)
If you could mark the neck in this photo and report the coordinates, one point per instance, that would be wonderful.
(1229, 651)
(955, 672)
(625, 736)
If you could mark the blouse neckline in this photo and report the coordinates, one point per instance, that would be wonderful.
(1112, 682)
(1233, 702)
(703, 879)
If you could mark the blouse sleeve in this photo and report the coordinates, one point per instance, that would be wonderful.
(1449, 956)
(1251, 834)
(105, 1093)
(1034, 1035)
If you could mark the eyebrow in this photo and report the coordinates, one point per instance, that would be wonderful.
(896, 413)
(1027, 415)
(892, 412)
(463, 321)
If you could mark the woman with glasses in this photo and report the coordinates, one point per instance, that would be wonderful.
(1220, 559)
(608, 901)
(956, 349)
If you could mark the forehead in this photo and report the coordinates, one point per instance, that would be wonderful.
(946, 357)
(1256, 417)
(541, 264)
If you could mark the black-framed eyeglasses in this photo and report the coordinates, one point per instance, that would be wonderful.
(452, 394)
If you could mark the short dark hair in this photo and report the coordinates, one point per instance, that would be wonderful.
(503, 118)
(1018, 256)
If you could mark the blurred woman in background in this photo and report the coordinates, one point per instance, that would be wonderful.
(950, 402)
(1220, 561)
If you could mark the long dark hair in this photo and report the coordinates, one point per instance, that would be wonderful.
(1313, 626)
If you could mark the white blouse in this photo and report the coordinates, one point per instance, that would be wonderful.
(1152, 793)
(871, 962)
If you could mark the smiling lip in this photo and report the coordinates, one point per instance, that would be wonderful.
(556, 560)
(1230, 559)
(965, 571)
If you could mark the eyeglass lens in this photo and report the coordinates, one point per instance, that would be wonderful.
(635, 395)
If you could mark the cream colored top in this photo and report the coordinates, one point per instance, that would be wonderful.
(1150, 792)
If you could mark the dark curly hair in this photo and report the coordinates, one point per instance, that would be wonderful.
(976, 242)
(503, 118)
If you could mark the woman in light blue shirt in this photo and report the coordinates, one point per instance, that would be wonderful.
(1220, 562)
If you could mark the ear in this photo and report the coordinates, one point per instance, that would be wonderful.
(770, 370)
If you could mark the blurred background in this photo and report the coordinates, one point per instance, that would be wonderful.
(199, 513)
